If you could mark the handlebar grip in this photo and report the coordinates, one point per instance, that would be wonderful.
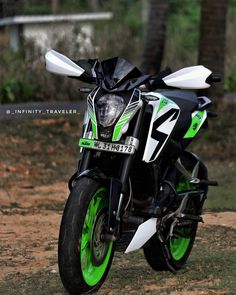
(216, 78)
(213, 78)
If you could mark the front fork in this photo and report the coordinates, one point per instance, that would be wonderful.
(118, 187)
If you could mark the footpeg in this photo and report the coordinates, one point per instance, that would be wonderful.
(209, 182)
(203, 182)
(190, 217)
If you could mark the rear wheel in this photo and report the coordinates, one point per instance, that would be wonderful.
(181, 243)
(179, 246)
(84, 257)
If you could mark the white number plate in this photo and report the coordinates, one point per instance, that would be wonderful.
(106, 146)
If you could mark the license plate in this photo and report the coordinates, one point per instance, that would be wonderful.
(106, 146)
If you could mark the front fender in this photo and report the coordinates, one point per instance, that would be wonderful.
(114, 185)
(94, 173)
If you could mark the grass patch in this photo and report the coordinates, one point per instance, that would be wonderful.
(15, 208)
(40, 283)
(222, 197)
(211, 268)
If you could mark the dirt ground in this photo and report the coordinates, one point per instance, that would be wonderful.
(30, 218)
(29, 226)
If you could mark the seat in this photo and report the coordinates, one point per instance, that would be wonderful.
(186, 100)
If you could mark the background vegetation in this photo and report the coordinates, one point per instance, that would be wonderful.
(23, 76)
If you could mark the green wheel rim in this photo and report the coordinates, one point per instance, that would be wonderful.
(93, 273)
(179, 246)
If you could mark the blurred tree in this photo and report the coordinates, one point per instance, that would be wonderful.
(212, 40)
(1, 9)
(93, 4)
(154, 35)
(11, 7)
(54, 6)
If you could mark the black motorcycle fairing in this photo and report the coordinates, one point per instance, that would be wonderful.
(156, 82)
(118, 74)
(113, 74)
(89, 74)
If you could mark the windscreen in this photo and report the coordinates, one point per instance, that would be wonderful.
(117, 71)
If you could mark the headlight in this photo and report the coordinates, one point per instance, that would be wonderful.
(108, 108)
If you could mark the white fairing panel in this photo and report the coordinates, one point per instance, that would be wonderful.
(165, 114)
(144, 232)
(189, 78)
(59, 64)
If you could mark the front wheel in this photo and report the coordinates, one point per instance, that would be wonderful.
(84, 258)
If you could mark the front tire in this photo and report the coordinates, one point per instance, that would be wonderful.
(84, 258)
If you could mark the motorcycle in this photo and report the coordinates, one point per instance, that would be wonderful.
(136, 185)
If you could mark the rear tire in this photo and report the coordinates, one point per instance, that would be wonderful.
(84, 259)
(179, 247)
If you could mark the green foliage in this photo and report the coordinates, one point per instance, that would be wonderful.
(127, 13)
(17, 81)
(182, 33)
(23, 76)
(8, 90)
(232, 7)
(36, 9)
(18, 89)
(133, 19)
(230, 82)
(73, 6)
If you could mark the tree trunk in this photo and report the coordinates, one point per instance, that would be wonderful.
(93, 5)
(154, 35)
(54, 6)
(212, 41)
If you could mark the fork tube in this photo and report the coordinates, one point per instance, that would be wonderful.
(86, 155)
(128, 159)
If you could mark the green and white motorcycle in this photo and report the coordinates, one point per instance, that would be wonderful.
(136, 185)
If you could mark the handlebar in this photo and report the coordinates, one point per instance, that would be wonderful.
(213, 78)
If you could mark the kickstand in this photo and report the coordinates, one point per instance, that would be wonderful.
(166, 253)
